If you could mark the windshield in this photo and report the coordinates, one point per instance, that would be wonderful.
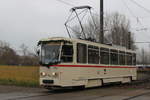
(50, 53)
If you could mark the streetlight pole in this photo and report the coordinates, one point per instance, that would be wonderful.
(101, 37)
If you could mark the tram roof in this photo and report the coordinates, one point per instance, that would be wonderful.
(63, 39)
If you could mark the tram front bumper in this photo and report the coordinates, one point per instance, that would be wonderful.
(49, 84)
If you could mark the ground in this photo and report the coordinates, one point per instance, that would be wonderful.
(108, 92)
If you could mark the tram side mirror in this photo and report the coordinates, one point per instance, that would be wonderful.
(38, 52)
(40, 62)
(62, 53)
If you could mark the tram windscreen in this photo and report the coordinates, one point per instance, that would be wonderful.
(50, 54)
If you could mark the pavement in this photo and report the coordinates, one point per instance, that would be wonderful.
(102, 93)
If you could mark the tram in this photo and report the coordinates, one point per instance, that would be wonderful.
(67, 62)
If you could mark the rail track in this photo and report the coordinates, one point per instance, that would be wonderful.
(136, 96)
(27, 97)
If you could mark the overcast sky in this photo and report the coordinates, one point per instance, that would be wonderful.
(27, 21)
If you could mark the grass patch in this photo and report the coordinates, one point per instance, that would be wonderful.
(19, 75)
(18, 83)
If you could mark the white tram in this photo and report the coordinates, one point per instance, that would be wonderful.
(73, 62)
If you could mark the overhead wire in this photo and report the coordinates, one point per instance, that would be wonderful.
(128, 8)
(125, 4)
(139, 5)
(137, 18)
(147, 10)
(142, 42)
(66, 3)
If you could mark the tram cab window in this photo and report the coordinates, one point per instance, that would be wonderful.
(93, 55)
(134, 59)
(129, 58)
(67, 53)
(121, 58)
(81, 53)
(104, 55)
(114, 57)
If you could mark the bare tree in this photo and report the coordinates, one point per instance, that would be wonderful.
(116, 30)
(8, 56)
(24, 49)
(28, 58)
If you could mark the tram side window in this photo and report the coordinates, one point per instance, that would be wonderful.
(129, 58)
(114, 57)
(93, 55)
(134, 59)
(104, 55)
(121, 58)
(67, 53)
(81, 53)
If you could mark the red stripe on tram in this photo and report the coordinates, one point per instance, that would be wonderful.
(91, 66)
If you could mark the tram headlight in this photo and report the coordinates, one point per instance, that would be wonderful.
(43, 74)
(54, 74)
